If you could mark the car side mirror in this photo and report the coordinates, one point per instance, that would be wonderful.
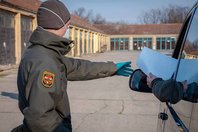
(137, 82)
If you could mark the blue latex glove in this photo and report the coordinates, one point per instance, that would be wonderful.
(124, 69)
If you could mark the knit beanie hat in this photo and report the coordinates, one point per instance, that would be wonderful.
(52, 14)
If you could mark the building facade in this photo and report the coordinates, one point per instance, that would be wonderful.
(135, 37)
(87, 38)
(18, 20)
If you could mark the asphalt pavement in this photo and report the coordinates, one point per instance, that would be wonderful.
(100, 105)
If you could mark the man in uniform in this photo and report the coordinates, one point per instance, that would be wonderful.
(44, 71)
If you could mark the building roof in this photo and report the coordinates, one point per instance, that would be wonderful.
(80, 22)
(28, 5)
(148, 29)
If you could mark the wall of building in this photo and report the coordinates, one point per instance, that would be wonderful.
(87, 41)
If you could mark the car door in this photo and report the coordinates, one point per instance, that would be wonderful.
(183, 116)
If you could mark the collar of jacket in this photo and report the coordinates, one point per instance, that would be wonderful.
(51, 41)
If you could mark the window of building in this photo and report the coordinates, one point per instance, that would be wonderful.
(139, 43)
(173, 40)
(119, 43)
(168, 44)
(6, 19)
(165, 43)
(2, 19)
(112, 44)
(26, 23)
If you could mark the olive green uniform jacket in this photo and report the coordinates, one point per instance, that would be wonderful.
(167, 90)
(42, 81)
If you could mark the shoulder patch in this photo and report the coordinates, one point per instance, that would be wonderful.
(48, 79)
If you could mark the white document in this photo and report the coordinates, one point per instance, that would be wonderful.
(164, 66)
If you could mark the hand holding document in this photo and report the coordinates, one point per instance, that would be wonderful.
(164, 66)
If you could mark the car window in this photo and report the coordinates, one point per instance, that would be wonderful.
(189, 56)
(191, 44)
(188, 108)
(190, 52)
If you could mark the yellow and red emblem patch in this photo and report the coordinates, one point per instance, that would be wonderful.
(48, 79)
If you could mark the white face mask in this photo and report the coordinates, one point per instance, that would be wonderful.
(66, 35)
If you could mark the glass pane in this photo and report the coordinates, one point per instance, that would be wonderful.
(134, 45)
(173, 44)
(1, 20)
(140, 45)
(112, 45)
(168, 45)
(158, 45)
(191, 45)
(163, 44)
(190, 59)
(121, 45)
(150, 44)
(190, 55)
(126, 45)
(117, 45)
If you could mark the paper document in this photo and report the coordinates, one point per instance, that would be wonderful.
(164, 66)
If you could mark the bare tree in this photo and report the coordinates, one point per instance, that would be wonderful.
(153, 16)
(172, 14)
(89, 15)
(80, 12)
(96, 19)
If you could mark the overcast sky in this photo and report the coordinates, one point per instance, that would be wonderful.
(123, 10)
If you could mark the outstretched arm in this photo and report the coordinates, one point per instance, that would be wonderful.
(78, 69)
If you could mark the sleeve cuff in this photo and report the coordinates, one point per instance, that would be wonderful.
(155, 80)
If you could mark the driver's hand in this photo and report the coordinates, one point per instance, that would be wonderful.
(150, 78)
(185, 85)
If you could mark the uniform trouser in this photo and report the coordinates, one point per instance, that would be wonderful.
(21, 128)
(65, 127)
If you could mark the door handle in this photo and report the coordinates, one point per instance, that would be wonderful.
(163, 116)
